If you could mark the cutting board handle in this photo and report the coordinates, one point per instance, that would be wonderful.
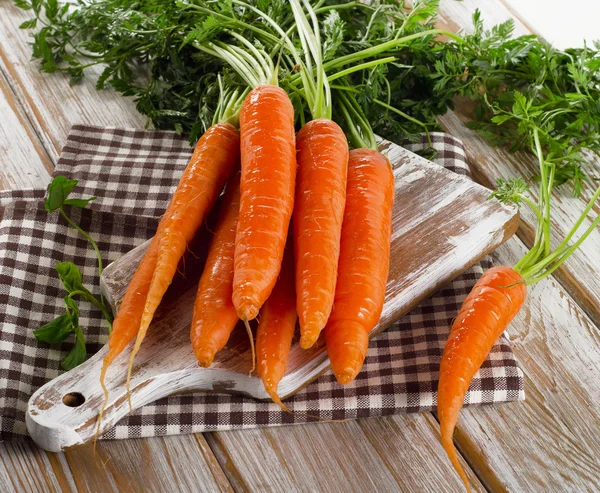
(64, 412)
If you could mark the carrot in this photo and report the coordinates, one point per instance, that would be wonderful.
(364, 262)
(214, 314)
(276, 328)
(215, 156)
(318, 214)
(322, 154)
(127, 321)
(490, 306)
(268, 157)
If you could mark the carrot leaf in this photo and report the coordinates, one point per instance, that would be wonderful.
(58, 191)
(71, 277)
(55, 331)
(78, 354)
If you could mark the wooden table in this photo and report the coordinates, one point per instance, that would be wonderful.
(550, 442)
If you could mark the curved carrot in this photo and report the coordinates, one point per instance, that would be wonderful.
(364, 262)
(492, 303)
(215, 156)
(276, 328)
(268, 157)
(318, 215)
(214, 314)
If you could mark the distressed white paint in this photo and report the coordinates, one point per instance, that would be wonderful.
(423, 258)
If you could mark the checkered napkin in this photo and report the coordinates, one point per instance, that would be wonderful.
(133, 174)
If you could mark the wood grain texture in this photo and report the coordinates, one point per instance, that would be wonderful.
(442, 223)
(24, 467)
(383, 455)
(51, 104)
(180, 463)
(24, 162)
(457, 16)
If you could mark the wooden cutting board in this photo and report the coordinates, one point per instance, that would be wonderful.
(442, 224)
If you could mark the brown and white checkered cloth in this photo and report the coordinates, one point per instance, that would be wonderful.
(133, 173)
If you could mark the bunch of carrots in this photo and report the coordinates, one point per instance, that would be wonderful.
(304, 226)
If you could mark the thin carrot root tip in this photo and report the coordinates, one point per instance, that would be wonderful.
(345, 377)
(448, 445)
(251, 339)
(277, 400)
(102, 409)
(306, 342)
(128, 383)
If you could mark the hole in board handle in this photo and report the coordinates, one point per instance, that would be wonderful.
(73, 399)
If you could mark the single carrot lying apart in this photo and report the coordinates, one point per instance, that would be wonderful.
(364, 262)
(268, 158)
(214, 159)
(214, 314)
(493, 302)
(276, 328)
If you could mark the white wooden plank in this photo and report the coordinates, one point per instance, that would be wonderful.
(178, 463)
(386, 454)
(458, 15)
(564, 31)
(24, 467)
(51, 104)
(24, 162)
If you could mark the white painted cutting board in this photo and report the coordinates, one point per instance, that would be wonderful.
(442, 224)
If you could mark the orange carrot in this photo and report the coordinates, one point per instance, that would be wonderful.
(268, 156)
(276, 328)
(215, 156)
(127, 321)
(492, 303)
(214, 314)
(364, 262)
(318, 215)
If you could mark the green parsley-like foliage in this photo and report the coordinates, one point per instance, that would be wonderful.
(59, 329)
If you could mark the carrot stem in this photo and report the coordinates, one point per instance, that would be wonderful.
(566, 255)
(390, 108)
(92, 299)
(87, 237)
(359, 67)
